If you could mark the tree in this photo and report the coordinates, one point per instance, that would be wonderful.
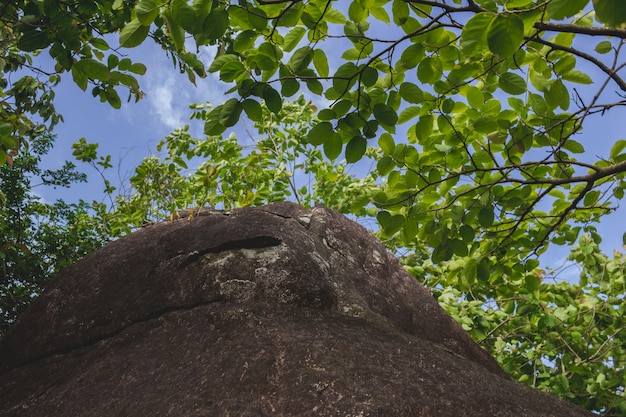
(38, 239)
(275, 166)
(473, 113)
(74, 34)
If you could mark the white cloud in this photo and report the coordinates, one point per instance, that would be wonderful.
(168, 99)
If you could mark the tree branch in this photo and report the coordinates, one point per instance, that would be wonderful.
(584, 30)
(471, 7)
(610, 72)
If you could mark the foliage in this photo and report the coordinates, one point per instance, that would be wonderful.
(473, 112)
(38, 239)
(223, 173)
(74, 34)
(560, 337)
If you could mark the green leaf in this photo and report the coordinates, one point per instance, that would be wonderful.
(579, 77)
(386, 143)
(100, 44)
(138, 68)
(560, 9)
(213, 127)
(355, 149)
(186, 16)
(400, 12)
(147, 11)
(292, 38)
(409, 113)
(617, 148)
(512, 83)
(32, 40)
(591, 198)
(473, 35)
(320, 62)
(485, 125)
(475, 97)
(232, 70)
(390, 223)
(300, 60)
(557, 95)
(315, 86)
(610, 12)
(486, 217)
(344, 77)
(319, 133)
(411, 93)
(573, 146)
(380, 13)
(532, 283)
(470, 274)
(244, 41)
(424, 127)
(133, 34)
(273, 100)
(505, 34)
(429, 70)
(113, 98)
(334, 16)
(411, 56)
(202, 7)
(327, 114)
(333, 145)
(356, 13)
(604, 47)
(215, 25)
(385, 114)
(369, 76)
(92, 69)
(230, 112)
(253, 109)
(221, 60)
(176, 32)
(442, 252)
(289, 87)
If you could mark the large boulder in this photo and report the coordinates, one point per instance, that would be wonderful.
(273, 310)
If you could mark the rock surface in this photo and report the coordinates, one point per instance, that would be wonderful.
(273, 310)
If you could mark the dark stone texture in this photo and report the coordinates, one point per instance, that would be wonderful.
(273, 310)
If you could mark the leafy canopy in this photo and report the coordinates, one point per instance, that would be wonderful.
(471, 111)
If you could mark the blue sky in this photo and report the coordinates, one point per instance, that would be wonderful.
(132, 133)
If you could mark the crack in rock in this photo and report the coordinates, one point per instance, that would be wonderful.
(257, 242)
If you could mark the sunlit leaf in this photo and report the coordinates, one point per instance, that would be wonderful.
(505, 34)
(293, 37)
(618, 148)
(133, 34)
(474, 34)
(333, 145)
(512, 83)
(604, 47)
(320, 62)
(147, 11)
